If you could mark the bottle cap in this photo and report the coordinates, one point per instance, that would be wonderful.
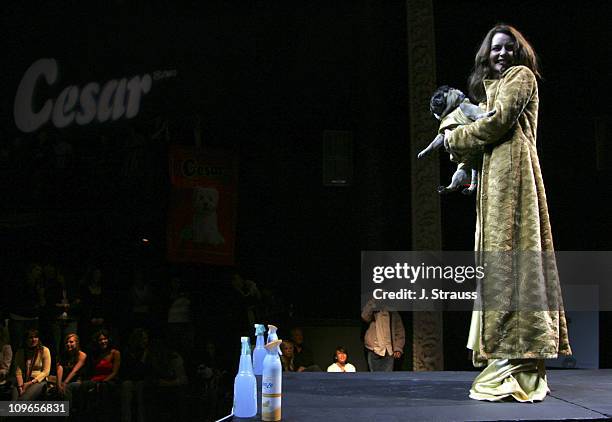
(244, 339)
(259, 329)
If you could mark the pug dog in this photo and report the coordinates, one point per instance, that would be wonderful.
(452, 108)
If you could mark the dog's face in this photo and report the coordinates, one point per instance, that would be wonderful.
(205, 199)
(444, 100)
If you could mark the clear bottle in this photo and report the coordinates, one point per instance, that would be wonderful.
(245, 384)
(259, 353)
(271, 383)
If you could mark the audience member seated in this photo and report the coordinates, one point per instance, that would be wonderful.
(106, 359)
(70, 368)
(288, 354)
(167, 382)
(303, 359)
(32, 367)
(341, 362)
(135, 367)
(6, 356)
(210, 381)
(104, 367)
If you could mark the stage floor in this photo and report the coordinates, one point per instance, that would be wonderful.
(437, 396)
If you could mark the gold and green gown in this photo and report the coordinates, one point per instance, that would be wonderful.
(512, 218)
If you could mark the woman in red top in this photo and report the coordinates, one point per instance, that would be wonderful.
(106, 360)
(104, 367)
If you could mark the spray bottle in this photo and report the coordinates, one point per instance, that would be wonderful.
(259, 353)
(271, 383)
(245, 384)
(272, 336)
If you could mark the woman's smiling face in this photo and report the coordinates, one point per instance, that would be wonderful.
(103, 342)
(71, 343)
(501, 56)
(33, 340)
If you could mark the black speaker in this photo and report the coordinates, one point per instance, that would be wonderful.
(337, 158)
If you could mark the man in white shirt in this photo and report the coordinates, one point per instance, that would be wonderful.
(385, 337)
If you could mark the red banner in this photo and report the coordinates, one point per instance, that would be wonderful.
(202, 212)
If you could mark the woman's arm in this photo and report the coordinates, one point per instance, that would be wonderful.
(22, 385)
(7, 356)
(116, 364)
(80, 363)
(368, 310)
(59, 370)
(516, 89)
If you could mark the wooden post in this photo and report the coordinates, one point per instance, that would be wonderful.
(425, 174)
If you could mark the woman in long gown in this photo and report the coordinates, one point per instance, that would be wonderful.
(519, 321)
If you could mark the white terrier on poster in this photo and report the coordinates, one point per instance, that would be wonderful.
(205, 227)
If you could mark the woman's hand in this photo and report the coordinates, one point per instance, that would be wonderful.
(61, 387)
(446, 136)
(25, 387)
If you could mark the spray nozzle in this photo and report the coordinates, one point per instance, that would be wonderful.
(273, 345)
(260, 329)
(246, 347)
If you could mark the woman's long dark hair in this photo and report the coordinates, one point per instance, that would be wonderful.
(31, 354)
(32, 332)
(4, 339)
(98, 353)
(524, 54)
(340, 349)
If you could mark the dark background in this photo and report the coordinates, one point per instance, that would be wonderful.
(267, 78)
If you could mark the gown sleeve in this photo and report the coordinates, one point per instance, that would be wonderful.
(516, 89)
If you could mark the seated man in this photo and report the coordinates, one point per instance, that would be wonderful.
(303, 359)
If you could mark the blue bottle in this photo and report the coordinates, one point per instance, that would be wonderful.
(245, 384)
(259, 353)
